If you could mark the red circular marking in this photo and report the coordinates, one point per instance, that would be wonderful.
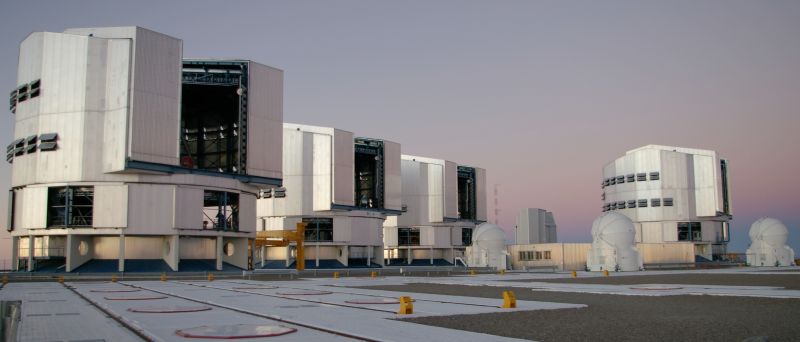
(235, 331)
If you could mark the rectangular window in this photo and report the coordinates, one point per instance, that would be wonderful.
(632, 204)
(621, 205)
(642, 203)
(630, 178)
(654, 176)
(612, 181)
(10, 217)
(668, 202)
(522, 256)
(546, 255)
(318, 228)
(408, 236)
(466, 236)
(70, 206)
(641, 177)
(655, 202)
(220, 210)
(620, 179)
(690, 231)
(538, 255)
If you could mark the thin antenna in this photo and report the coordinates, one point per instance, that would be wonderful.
(496, 205)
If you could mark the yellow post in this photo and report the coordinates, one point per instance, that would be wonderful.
(502, 272)
(5, 279)
(605, 273)
(373, 274)
(113, 278)
(509, 300)
(336, 274)
(472, 272)
(406, 306)
(300, 233)
(163, 276)
(210, 277)
(574, 274)
(60, 279)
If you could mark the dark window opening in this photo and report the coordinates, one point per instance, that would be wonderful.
(214, 116)
(655, 176)
(620, 179)
(726, 207)
(642, 203)
(655, 202)
(641, 177)
(668, 202)
(318, 229)
(466, 236)
(220, 210)
(467, 208)
(10, 217)
(690, 231)
(369, 173)
(631, 203)
(70, 206)
(408, 236)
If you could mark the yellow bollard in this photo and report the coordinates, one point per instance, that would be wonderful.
(163, 276)
(60, 279)
(5, 279)
(605, 273)
(509, 300)
(336, 274)
(406, 306)
(373, 274)
(113, 278)
(574, 274)
(502, 272)
(472, 272)
(210, 277)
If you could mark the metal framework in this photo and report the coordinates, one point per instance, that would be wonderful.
(369, 179)
(283, 238)
(467, 199)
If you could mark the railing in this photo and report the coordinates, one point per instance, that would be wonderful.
(42, 252)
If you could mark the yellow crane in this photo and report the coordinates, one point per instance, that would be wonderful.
(282, 238)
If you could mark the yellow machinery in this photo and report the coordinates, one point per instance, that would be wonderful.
(282, 238)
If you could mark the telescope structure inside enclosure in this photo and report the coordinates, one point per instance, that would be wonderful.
(768, 246)
(613, 247)
(127, 157)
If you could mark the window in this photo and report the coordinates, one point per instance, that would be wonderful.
(641, 177)
(726, 206)
(318, 229)
(538, 255)
(70, 206)
(630, 178)
(668, 202)
(654, 176)
(642, 203)
(369, 173)
(466, 236)
(408, 236)
(10, 217)
(546, 255)
(220, 210)
(621, 205)
(631, 203)
(690, 231)
(612, 181)
(655, 202)
(620, 179)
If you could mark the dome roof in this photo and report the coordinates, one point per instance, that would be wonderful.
(488, 232)
(614, 228)
(767, 228)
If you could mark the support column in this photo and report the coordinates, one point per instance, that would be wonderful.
(173, 258)
(121, 265)
(453, 255)
(263, 255)
(288, 256)
(15, 253)
(431, 255)
(408, 256)
(316, 254)
(219, 253)
(369, 255)
(30, 253)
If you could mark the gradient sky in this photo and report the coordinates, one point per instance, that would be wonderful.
(541, 94)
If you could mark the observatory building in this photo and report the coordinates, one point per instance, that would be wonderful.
(535, 226)
(613, 247)
(768, 246)
(488, 247)
(443, 202)
(672, 194)
(342, 187)
(127, 157)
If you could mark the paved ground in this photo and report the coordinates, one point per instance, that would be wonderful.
(624, 318)
(787, 281)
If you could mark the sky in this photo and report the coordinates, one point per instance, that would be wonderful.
(542, 94)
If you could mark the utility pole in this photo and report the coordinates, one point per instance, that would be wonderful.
(496, 205)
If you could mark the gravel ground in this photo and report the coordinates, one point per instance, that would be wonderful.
(623, 318)
(788, 281)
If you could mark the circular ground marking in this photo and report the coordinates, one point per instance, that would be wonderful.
(136, 298)
(374, 301)
(115, 291)
(235, 331)
(256, 288)
(655, 288)
(170, 309)
(305, 293)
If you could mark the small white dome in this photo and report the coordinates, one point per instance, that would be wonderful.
(489, 236)
(769, 230)
(614, 228)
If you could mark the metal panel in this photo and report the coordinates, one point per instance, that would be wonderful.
(343, 169)
(110, 206)
(480, 190)
(151, 209)
(450, 190)
(322, 148)
(704, 186)
(392, 176)
(188, 208)
(436, 195)
(117, 104)
(247, 213)
(34, 207)
(265, 121)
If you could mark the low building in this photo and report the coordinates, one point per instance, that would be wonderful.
(672, 194)
(442, 202)
(343, 188)
(127, 157)
(535, 226)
